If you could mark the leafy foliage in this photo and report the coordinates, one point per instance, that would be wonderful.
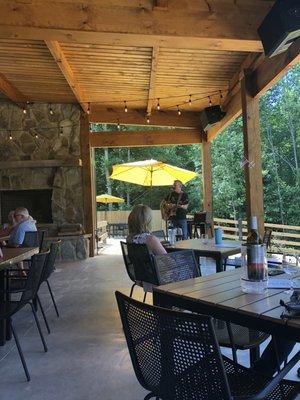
(280, 131)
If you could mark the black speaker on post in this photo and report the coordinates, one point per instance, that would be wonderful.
(210, 116)
(281, 27)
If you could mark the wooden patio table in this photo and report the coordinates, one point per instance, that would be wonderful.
(220, 296)
(218, 252)
(10, 257)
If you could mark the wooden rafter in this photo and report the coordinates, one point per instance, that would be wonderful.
(62, 62)
(11, 91)
(137, 117)
(145, 138)
(151, 93)
(163, 4)
(264, 74)
(219, 25)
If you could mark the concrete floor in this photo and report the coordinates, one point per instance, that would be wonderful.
(87, 357)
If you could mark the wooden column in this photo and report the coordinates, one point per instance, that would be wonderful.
(252, 154)
(207, 176)
(89, 199)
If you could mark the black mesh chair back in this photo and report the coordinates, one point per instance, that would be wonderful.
(142, 260)
(50, 260)
(175, 355)
(33, 279)
(202, 221)
(41, 236)
(176, 266)
(31, 239)
(127, 262)
(160, 234)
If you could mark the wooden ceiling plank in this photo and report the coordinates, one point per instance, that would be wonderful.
(154, 62)
(11, 91)
(221, 25)
(145, 138)
(63, 64)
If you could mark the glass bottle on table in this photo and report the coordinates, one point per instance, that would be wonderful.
(256, 266)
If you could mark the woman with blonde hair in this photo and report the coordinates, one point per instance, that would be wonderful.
(24, 223)
(139, 227)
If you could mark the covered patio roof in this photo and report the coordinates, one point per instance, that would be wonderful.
(101, 54)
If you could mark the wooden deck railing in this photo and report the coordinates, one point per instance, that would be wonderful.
(287, 236)
(283, 236)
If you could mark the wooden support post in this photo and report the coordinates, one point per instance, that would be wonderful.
(207, 176)
(252, 154)
(89, 198)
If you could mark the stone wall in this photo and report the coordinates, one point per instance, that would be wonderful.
(58, 138)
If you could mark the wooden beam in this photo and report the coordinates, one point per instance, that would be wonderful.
(207, 177)
(233, 110)
(272, 69)
(151, 92)
(137, 117)
(252, 155)
(213, 25)
(163, 4)
(89, 197)
(266, 72)
(11, 91)
(63, 64)
(145, 138)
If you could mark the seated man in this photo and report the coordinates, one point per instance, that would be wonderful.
(24, 223)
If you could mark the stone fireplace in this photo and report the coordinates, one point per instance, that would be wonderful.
(40, 166)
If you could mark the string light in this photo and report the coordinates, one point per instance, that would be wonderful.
(178, 110)
(148, 119)
(51, 110)
(221, 95)
(158, 105)
(190, 100)
(210, 103)
(24, 110)
(61, 131)
(88, 111)
(10, 136)
(36, 136)
(118, 125)
(125, 106)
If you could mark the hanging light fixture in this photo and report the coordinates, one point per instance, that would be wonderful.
(178, 110)
(10, 136)
(125, 106)
(190, 100)
(158, 105)
(88, 111)
(51, 112)
(210, 103)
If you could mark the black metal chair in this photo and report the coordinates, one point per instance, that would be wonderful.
(202, 223)
(31, 239)
(176, 266)
(176, 356)
(129, 267)
(143, 265)
(10, 308)
(182, 265)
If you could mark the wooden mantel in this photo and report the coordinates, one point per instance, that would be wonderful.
(76, 162)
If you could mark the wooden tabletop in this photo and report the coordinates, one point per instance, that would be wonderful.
(220, 296)
(15, 255)
(197, 245)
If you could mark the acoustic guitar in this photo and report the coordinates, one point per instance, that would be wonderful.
(168, 209)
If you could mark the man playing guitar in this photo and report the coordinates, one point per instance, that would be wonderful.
(177, 203)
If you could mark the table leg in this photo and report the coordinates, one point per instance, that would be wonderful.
(219, 263)
(2, 299)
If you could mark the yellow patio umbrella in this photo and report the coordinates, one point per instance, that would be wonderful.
(151, 173)
(108, 198)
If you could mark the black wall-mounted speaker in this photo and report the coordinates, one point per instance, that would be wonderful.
(210, 116)
(281, 27)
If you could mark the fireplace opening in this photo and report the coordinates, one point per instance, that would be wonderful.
(38, 202)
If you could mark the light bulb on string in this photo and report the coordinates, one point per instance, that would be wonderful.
(178, 110)
(221, 95)
(118, 126)
(24, 110)
(51, 110)
(125, 106)
(36, 136)
(10, 136)
(61, 131)
(210, 103)
(190, 100)
(158, 105)
(148, 119)
(88, 111)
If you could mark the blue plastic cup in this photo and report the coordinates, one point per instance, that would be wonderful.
(218, 236)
